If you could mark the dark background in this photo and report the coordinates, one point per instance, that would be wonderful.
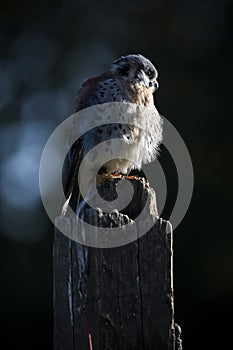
(46, 50)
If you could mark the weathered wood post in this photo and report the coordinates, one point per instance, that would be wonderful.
(115, 298)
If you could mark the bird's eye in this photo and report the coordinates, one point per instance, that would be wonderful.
(150, 73)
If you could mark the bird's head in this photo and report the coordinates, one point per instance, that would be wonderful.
(136, 69)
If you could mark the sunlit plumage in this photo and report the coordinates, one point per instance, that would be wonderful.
(131, 79)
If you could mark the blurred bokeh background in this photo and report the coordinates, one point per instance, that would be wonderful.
(47, 49)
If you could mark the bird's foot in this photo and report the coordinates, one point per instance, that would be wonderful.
(120, 176)
(115, 176)
(101, 178)
(130, 177)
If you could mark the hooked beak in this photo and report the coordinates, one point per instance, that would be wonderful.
(155, 84)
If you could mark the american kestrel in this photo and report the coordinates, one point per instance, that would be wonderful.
(132, 79)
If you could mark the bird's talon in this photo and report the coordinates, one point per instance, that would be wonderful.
(115, 176)
(130, 177)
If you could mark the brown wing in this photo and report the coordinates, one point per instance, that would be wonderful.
(87, 96)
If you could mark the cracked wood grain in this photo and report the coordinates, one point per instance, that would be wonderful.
(127, 292)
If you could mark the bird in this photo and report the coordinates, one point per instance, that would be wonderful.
(131, 80)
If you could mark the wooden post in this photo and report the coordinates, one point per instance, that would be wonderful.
(115, 298)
